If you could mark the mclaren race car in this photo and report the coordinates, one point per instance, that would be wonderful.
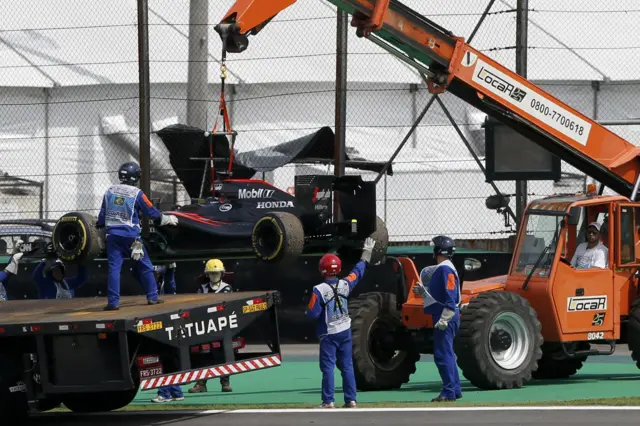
(245, 216)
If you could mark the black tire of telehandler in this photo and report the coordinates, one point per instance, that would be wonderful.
(472, 344)
(549, 368)
(370, 312)
(76, 238)
(633, 331)
(13, 397)
(278, 237)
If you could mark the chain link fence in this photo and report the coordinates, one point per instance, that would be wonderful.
(69, 109)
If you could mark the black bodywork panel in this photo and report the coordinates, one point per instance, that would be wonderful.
(224, 223)
(189, 153)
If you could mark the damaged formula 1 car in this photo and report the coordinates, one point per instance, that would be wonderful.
(247, 216)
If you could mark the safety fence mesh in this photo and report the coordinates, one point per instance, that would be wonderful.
(69, 107)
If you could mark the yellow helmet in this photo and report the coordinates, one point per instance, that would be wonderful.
(214, 265)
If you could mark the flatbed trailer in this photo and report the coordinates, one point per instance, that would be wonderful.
(71, 351)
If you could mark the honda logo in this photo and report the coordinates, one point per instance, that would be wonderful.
(274, 204)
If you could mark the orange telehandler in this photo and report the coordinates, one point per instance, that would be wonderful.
(540, 319)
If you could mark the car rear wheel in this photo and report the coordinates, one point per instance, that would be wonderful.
(278, 237)
(381, 238)
(351, 252)
(76, 238)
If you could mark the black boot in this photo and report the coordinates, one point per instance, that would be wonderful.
(155, 302)
(440, 398)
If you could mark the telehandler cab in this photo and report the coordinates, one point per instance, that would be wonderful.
(541, 319)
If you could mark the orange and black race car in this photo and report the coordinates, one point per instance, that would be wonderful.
(243, 216)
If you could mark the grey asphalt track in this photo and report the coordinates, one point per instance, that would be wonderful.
(618, 417)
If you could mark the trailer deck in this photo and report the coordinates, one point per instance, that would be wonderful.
(91, 309)
(73, 351)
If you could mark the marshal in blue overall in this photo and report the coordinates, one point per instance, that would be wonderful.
(328, 305)
(122, 206)
(440, 291)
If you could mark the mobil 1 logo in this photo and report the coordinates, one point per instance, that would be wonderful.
(255, 193)
(586, 303)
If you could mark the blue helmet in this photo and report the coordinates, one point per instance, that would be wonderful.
(443, 246)
(129, 173)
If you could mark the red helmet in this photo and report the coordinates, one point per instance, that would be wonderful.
(330, 264)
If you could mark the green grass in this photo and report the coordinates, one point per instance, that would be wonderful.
(629, 401)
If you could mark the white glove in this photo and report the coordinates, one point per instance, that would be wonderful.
(443, 322)
(168, 219)
(19, 247)
(369, 243)
(172, 265)
(419, 290)
(137, 251)
(12, 267)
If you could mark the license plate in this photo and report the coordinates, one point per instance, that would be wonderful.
(152, 371)
(254, 308)
(150, 327)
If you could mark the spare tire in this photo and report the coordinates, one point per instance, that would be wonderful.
(76, 238)
(278, 237)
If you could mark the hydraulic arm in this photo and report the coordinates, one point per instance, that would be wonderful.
(449, 64)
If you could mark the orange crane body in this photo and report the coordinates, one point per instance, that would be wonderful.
(563, 308)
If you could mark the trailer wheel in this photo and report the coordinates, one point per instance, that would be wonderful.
(278, 237)
(551, 368)
(76, 238)
(499, 342)
(377, 333)
(99, 401)
(633, 331)
(13, 396)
